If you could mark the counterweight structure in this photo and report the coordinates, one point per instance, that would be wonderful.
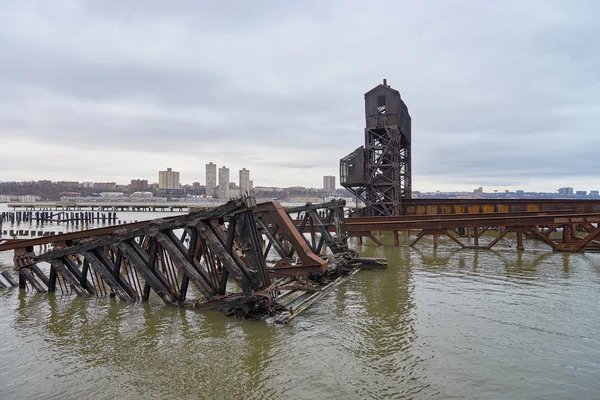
(379, 173)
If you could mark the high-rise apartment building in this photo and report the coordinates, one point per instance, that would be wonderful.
(329, 183)
(244, 181)
(223, 190)
(211, 178)
(168, 179)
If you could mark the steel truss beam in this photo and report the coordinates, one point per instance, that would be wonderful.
(568, 242)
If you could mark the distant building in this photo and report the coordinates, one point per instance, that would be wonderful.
(267, 189)
(171, 192)
(88, 185)
(329, 183)
(244, 181)
(251, 184)
(565, 190)
(478, 192)
(195, 185)
(304, 199)
(223, 189)
(138, 185)
(581, 193)
(105, 186)
(142, 195)
(111, 195)
(594, 193)
(23, 199)
(29, 198)
(211, 179)
(69, 184)
(234, 190)
(168, 179)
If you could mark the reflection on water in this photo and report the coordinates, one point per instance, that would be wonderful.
(438, 323)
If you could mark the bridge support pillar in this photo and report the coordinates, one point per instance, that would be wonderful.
(520, 241)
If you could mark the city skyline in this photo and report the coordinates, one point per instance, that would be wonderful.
(429, 187)
(495, 90)
(135, 181)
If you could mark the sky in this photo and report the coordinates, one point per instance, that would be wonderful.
(502, 94)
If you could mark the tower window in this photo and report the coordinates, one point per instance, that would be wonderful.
(380, 105)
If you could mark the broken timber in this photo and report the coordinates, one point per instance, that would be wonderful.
(257, 248)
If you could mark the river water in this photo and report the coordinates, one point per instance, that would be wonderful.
(447, 323)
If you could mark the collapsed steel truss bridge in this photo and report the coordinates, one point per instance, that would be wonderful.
(257, 248)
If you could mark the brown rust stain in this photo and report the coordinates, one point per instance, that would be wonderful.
(446, 209)
(502, 208)
(474, 209)
(488, 208)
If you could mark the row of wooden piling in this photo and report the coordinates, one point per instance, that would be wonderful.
(37, 233)
(58, 217)
(27, 233)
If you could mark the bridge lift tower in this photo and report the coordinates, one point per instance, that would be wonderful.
(379, 173)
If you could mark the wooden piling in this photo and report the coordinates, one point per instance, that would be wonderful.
(9, 278)
(27, 276)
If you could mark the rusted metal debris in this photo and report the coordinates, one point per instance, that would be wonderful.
(208, 251)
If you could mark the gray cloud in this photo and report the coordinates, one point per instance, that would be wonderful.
(501, 93)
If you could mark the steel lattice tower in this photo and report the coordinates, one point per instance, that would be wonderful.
(379, 173)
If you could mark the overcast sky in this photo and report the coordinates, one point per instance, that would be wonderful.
(502, 94)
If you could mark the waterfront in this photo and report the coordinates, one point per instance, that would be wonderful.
(448, 323)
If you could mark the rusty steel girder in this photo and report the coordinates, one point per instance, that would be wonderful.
(487, 206)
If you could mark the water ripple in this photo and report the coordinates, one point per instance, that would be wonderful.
(436, 324)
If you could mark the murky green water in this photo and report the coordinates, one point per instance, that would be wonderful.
(436, 324)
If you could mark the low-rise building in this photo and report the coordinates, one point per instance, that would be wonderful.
(111, 195)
